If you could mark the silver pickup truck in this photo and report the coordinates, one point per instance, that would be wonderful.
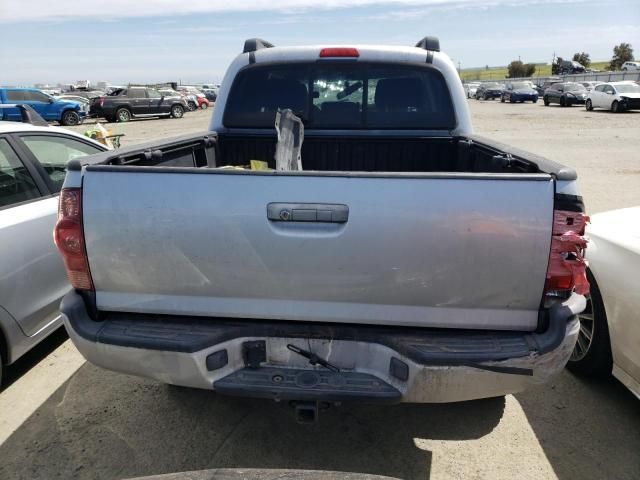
(408, 261)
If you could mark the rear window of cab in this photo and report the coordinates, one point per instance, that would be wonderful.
(341, 95)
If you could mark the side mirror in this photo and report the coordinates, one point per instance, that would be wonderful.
(51, 99)
(609, 92)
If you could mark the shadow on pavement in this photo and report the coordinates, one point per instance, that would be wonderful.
(589, 429)
(34, 356)
(106, 425)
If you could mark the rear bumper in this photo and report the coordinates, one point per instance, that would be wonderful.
(376, 363)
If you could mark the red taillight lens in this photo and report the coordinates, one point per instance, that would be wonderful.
(101, 101)
(69, 237)
(339, 52)
(567, 266)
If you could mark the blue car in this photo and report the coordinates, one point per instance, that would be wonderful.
(66, 112)
(519, 92)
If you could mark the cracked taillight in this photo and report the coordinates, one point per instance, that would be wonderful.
(567, 270)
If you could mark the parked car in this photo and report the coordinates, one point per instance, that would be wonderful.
(471, 88)
(75, 98)
(615, 96)
(568, 67)
(32, 275)
(489, 91)
(519, 92)
(633, 66)
(137, 102)
(312, 288)
(211, 94)
(540, 88)
(65, 112)
(589, 85)
(609, 327)
(88, 94)
(201, 99)
(565, 94)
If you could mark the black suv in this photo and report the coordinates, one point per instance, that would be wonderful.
(127, 103)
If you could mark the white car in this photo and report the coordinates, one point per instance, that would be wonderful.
(470, 89)
(630, 66)
(615, 96)
(32, 275)
(609, 338)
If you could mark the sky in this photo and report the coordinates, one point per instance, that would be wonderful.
(193, 41)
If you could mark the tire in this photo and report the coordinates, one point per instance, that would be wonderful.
(204, 106)
(546, 101)
(616, 107)
(535, 100)
(486, 97)
(588, 105)
(70, 118)
(592, 357)
(624, 69)
(123, 115)
(177, 111)
(511, 100)
(502, 100)
(192, 106)
(563, 102)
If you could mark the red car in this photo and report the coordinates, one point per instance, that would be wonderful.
(201, 98)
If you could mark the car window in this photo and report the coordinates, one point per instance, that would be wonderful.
(53, 153)
(152, 93)
(136, 93)
(16, 184)
(33, 96)
(609, 89)
(599, 88)
(15, 95)
(338, 96)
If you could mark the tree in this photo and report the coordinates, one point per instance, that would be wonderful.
(621, 53)
(582, 58)
(517, 69)
(529, 69)
(555, 67)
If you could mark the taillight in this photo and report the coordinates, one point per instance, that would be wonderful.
(69, 237)
(101, 101)
(339, 52)
(567, 265)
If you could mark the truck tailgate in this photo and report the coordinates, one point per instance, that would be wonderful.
(438, 250)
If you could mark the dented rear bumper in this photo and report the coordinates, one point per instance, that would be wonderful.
(376, 364)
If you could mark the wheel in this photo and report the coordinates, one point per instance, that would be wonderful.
(177, 111)
(123, 115)
(616, 107)
(592, 353)
(502, 100)
(204, 106)
(192, 106)
(546, 101)
(535, 100)
(486, 97)
(624, 69)
(563, 102)
(588, 105)
(70, 118)
(511, 100)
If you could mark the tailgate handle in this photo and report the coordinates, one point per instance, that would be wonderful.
(308, 212)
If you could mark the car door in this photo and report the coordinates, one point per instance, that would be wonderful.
(597, 96)
(12, 96)
(41, 103)
(32, 277)
(155, 102)
(138, 101)
(608, 97)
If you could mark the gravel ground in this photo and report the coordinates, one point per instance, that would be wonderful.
(99, 424)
